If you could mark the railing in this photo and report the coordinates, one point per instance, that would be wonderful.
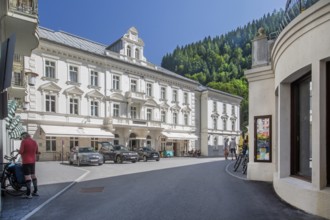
(292, 9)
(24, 6)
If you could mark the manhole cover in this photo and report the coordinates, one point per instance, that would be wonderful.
(92, 189)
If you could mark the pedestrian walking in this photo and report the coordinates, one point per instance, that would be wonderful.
(232, 146)
(28, 151)
(226, 148)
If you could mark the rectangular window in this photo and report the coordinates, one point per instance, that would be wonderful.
(94, 143)
(163, 93)
(185, 98)
(149, 114)
(163, 116)
(149, 89)
(74, 106)
(133, 112)
(18, 79)
(224, 108)
(94, 108)
(224, 122)
(215, 123)
(233, 122)
(175, 96)
(215, 109)
(115, 112)
(50, 103)
(94, 78)
(74, 74)
(73, 142)
(186, 119)
(175, 118)
(115, 82)
(233, 110)
(133, 85)
(50, 69)
(50, 144)
(301, 124)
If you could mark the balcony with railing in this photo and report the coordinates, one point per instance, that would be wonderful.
(21, 18)
(293, 8)
(27, 7)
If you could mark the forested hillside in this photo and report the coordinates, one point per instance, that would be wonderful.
(220, 62)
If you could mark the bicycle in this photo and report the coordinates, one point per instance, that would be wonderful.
(12, 178)
(245, 163)
(243, 156)
(238, 161)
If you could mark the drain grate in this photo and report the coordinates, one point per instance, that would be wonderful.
(92, 189)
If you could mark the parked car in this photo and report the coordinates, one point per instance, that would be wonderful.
(116, 153)
(85, 156)
(146, 153)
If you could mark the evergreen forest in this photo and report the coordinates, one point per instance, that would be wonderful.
(220, 62)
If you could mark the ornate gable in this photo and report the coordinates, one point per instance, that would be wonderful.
(117, 96)
(94, 94)
(74, 90)
(151, 102)
(50, 87)
(175, 108)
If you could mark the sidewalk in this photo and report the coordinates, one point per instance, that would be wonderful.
(53, 178)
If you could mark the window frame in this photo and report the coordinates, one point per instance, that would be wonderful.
(49, 67)
(73, 71)
(50, 144)
(74, 107)
(94, 107)
(115, 110)
(94, 78)
(296, 125)
(50, 105)
(115, 82)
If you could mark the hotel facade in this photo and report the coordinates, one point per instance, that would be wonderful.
(84, 92)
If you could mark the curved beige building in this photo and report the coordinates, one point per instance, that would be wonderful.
(290, 90)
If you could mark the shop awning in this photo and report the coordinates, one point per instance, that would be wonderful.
(179, 136)
(66, 131)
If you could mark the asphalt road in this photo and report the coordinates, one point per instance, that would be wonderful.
(201, 191)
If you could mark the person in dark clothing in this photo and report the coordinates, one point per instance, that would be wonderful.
(28, 151)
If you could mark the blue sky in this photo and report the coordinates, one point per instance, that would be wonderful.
(162, 24)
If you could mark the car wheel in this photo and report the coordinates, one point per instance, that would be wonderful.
(78, 162)
(157, 159)
(144, 158)
(103, 160)
(119, 160)
(70, 162)
(133, 161)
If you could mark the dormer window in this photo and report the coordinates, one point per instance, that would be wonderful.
(129, 51)
(137, 54)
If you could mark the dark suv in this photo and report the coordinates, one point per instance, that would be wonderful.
(116, 153)
(146, 154)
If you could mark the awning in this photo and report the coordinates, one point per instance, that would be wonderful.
(65, 131)
(179, 136)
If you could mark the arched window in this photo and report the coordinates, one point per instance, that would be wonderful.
(129, 51)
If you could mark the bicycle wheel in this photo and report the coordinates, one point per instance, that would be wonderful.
(11, 187)
(238, 162)
(245, 164)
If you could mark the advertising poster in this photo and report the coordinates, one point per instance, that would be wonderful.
(262, 125)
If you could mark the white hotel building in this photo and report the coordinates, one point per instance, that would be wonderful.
(87, 92)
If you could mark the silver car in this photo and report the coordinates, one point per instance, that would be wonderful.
(85, 156)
